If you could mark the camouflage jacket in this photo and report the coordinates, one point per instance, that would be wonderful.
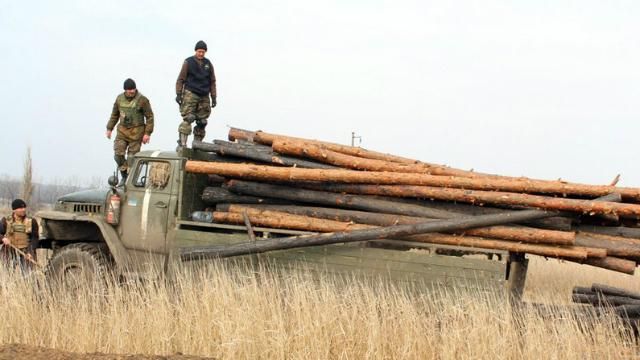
(144, 106)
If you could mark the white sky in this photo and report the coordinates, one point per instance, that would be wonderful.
(545, 89)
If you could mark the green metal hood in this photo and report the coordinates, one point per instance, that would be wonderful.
(86, 196)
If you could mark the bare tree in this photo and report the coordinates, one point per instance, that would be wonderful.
(27, 179)
(9, 189)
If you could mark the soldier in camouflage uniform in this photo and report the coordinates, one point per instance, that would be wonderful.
(129, 111)
(19, 231)
(196, 83)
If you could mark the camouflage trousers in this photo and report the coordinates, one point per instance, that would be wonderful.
(196, 109)
(128, 141)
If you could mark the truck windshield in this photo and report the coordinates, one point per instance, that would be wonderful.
(152, 174)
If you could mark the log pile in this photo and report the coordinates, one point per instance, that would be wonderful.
(623, 303)
(353, 194)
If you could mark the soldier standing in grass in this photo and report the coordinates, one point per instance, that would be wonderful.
(132, 112)
(19, 232)
(196, 83)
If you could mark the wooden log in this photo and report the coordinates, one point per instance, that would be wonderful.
(271, 173)
(560, 223)
(600, 300)
(529, 235)
(609, 263)
(613, 248)
(214, 195)
(610, 290)
(278, 220)
(609, 218)
(546, 203)
(622, 231)
(381, 177)
(493, 244)
(628, 311)
(267, 139)
(281, 220)
(500, 198)
(337, 200)
(331, 199)
(236, 134)
(583, 290)
(617, 239)
(397, 231)
(215, 180)
(255, 152)
(320, 153)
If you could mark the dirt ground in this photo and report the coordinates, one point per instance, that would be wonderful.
(18, 352)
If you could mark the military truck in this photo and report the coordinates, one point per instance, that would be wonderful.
(155, 224)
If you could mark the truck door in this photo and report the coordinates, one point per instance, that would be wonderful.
(145, 210)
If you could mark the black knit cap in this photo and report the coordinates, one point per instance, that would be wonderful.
(18, 204)
(129, 84)
(201, 45)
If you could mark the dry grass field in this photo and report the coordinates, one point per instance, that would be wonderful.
(216, 312)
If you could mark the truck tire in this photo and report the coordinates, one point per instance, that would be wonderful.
(79, 266)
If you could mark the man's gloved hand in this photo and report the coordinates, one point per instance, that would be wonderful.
(213, 102)
(179, 99)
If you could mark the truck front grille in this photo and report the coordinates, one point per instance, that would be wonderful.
(87, 208)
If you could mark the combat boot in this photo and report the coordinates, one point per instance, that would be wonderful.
(182, 142)
(123, 178)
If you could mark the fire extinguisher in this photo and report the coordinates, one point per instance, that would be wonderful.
(113, 209)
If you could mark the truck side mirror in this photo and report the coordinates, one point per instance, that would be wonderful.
(112, 181)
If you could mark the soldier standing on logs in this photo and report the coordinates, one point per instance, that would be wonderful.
(129, 111)
(20, 236)
(196, 82)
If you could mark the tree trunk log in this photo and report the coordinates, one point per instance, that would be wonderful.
(546, 203)
(609, 263)
(620, 231)
(528, 235)
(279, 221)
(338, 200)
(614, 248)
(255, 152)
(497, 198)
(599, 300)
(320, 153)
(267, 139)
(610, 290)
(214, 195)
(397, 231)
(272, 173)
(358, 202)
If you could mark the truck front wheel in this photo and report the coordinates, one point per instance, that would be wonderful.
(80, 265)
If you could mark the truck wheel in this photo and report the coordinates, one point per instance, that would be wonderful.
(79, 266)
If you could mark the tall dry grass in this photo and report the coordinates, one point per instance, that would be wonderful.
(212, 310)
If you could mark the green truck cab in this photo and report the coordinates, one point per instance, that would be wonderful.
(155, 224)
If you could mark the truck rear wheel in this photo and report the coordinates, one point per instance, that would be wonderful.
(78, 266)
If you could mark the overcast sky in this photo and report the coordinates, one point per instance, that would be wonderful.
(544, 89)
